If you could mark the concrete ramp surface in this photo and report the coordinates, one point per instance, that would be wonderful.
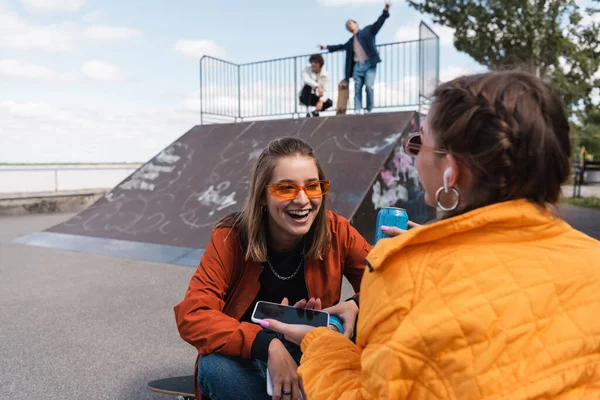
(164, 211)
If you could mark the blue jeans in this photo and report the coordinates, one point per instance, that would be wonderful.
(364, 74)
(222, 377)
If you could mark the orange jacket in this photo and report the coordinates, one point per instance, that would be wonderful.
(500, 303)
(224, 286)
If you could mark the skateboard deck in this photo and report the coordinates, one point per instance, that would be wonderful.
(342, 100)
(182, 386)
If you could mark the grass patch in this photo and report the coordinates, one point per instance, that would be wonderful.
(591, 202)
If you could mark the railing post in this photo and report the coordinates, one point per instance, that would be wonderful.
(201, 117)
(437, 80)
(56, 179)
(420, 57)
(295, 85)
(239, 93)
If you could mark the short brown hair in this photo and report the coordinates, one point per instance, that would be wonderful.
(510, 129)
(317, 58)
(251, 222)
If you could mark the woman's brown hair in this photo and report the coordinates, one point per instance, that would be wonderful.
(510, 129)
(251, 222)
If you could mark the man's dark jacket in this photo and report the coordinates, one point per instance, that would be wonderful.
(366, 38)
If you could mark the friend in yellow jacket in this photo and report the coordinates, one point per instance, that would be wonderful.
(502, 302)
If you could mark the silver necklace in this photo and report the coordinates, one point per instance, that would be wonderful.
(285, 278)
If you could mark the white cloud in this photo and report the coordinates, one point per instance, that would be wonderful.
(102, 71)
(257, 98)
(406, 33)
(53, 5)
(11, 22)
(596, 96)
(199, 48)
(108, 32)
(596, 92)
(41, 112)
(18, 34)
(21, 69)
(92, 16)
(587, 18)
(340, 3)
(451, 72)
(37, 132)
(392, 94)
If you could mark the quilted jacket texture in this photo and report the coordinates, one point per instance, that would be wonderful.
(500, 303)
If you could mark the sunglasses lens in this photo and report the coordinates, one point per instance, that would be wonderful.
(285, 190)
(324, 187)
(290, 190)
(413, 145)
(313, 189)
(316, 189)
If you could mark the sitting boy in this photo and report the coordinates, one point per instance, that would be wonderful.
(316, 86)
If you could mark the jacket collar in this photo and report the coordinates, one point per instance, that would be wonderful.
(528, 221)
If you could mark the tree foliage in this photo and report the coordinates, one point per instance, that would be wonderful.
(555, 39)
(585, 131)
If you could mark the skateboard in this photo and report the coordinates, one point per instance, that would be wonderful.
(342, 100)
(182, 386)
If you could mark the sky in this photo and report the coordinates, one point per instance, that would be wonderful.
(117, 81)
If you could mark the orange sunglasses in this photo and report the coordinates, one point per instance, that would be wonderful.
(289, 191)
(412, 145)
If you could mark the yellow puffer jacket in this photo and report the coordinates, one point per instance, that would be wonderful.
(500, 303)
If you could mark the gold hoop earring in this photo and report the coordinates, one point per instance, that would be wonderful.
(441, 206)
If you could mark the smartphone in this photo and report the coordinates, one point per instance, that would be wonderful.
(289, 315)
(269, 384)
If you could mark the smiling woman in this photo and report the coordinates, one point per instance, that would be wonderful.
(284, 246)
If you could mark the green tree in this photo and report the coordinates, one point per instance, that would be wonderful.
(585, 131)
(555, 39)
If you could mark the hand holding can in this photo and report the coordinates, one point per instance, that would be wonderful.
(336, 324)
(393, 231)
(390, 217)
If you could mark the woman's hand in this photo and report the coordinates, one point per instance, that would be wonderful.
(394, 231)
(311, 304)
(283, 370)
(347, 311)
(292, 332)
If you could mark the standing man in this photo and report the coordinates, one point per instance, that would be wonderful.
(362, 57)
(316, 86)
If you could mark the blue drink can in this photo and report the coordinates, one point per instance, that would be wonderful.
(390, 216)
(336, 324)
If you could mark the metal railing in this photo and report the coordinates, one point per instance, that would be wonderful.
(34, 178)
(234, 92)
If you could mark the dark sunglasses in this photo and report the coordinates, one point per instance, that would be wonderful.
(412, 145)
(289, 191)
